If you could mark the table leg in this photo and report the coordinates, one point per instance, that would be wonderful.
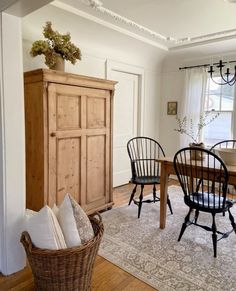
(163, 195)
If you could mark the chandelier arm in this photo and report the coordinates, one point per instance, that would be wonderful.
(234, 77)
(217, 82)
(225, 77)
(233, 82)
(227, 81)
(222, 77)
(212, 78)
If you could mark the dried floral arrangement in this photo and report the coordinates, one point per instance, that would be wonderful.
(194, 132)
(56, 45)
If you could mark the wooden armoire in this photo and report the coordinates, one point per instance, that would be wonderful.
(68, 127)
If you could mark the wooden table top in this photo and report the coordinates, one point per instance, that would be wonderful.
(169, 160)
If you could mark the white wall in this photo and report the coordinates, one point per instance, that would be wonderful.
(172, 90)
(12, 152)
(152, 110)
(99, 44)
(1, 152)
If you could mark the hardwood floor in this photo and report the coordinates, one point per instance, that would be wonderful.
(106, 276)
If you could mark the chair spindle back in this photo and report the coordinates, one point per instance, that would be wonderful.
(143, 153)
(196, 178)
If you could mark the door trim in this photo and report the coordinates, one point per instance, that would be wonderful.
(139, 71)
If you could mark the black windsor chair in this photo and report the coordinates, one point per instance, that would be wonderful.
(230, 144)
(143, 153)
(200, 196)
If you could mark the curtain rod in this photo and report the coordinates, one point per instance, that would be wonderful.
(204, 65)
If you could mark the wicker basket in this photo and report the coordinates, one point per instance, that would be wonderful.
(66, 269)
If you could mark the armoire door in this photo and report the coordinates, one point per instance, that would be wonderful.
(79, 145)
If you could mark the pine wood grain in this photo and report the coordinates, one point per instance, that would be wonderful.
(68, 139)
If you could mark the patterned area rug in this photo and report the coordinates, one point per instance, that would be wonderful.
(155, 256)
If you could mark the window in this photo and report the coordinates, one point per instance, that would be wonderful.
(219, 98)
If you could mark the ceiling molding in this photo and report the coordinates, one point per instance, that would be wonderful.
(206, 39)
(171, 42)
(210, 36)
(107, 24)
(98, 5)
(203, 42)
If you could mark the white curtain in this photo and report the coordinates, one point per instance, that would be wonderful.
(192, 103)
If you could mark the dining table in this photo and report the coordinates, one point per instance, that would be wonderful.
(167, 169)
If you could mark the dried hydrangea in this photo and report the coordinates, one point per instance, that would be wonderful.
(56, 45)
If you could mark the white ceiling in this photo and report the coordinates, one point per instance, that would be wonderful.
(168, 24)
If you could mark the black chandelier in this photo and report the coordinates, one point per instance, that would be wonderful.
(226, 77)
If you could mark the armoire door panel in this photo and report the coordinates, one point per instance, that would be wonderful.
(68, 169)
(96, 168)
(68, 111)
(96, 112)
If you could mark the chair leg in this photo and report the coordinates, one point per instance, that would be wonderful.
(185, 224)
(140, 201)
(169, 204)
(154, 193)
(214, 235)
(232, 221)
(132, 194)
(196, 215)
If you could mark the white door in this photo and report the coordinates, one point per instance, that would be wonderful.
(125, 123)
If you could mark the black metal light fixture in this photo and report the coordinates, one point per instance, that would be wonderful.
(226, 77)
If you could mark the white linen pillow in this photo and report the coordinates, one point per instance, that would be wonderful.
(44, 229)
(67, 222)
(29, 213)
(83, 223)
